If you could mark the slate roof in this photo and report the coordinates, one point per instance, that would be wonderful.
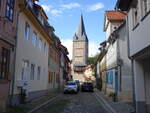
(80, 35)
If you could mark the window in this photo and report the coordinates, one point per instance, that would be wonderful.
(32, 72)
(40, 44)
(27, 31)
(41, 19)
(38, 72)
(49, 78)
(135, 16)
(109, 77)
(37, 42)
(34, 38)
(0, 4)
(4, 63)
(9, 9)
(45, 48)
(145, 6)
(30, 3)
(25, 65)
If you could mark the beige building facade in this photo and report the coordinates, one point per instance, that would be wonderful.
(80, 52)
(31, 73)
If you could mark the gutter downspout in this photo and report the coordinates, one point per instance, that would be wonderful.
(132, 65)
(118, 65)
(16, 43)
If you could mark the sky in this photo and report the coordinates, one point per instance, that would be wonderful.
(64, 16)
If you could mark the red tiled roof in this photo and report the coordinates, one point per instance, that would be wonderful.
(115, 15)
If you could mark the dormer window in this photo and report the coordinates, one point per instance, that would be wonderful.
(41, 19)
(30, 3)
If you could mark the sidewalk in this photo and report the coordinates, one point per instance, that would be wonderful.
(34, 104)
(115, 107)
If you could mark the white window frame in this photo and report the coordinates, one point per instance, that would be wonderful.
(27, 31)
(34, 38)
(136, 16)
(40, 44)
(145, 5)
(25, 66)
(38, 72)
(32, 73)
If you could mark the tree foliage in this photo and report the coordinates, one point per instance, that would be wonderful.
(92, 60)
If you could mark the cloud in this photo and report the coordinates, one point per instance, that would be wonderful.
(47, 8)
(70, 6)
(96, 6)
(93, 47)
(56, 12)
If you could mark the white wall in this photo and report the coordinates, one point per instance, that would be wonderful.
(26, 51)
(111, 56)
(139, 37)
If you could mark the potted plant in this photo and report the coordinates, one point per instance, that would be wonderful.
(113, 96)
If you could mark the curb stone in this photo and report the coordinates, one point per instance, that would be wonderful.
(115, 107)
(105, 104)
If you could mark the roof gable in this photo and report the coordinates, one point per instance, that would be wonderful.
(115, 15)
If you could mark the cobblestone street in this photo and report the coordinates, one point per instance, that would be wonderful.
(74, 103)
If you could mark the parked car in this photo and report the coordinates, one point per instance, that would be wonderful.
(78, 84)
(71, 87)
(87, 86)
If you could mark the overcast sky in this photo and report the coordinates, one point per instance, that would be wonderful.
(64, 16)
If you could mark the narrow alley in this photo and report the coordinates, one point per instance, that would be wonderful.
(83, 102)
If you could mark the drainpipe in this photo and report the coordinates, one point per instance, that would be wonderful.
(16, 42)
(132, 66)
(118, 65)
(13, 81)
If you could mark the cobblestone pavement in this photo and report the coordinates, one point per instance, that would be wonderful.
(83, 102)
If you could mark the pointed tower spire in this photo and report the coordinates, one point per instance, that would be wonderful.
(81, 28)
(81, 33)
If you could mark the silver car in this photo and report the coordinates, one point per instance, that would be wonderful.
(71, 87)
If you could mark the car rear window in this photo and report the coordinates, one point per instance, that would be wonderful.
(86, 83)
(71, 83)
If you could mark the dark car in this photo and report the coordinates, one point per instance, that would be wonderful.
(87, 86)
(78, 84)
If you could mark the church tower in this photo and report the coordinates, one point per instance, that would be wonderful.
(80, 51)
